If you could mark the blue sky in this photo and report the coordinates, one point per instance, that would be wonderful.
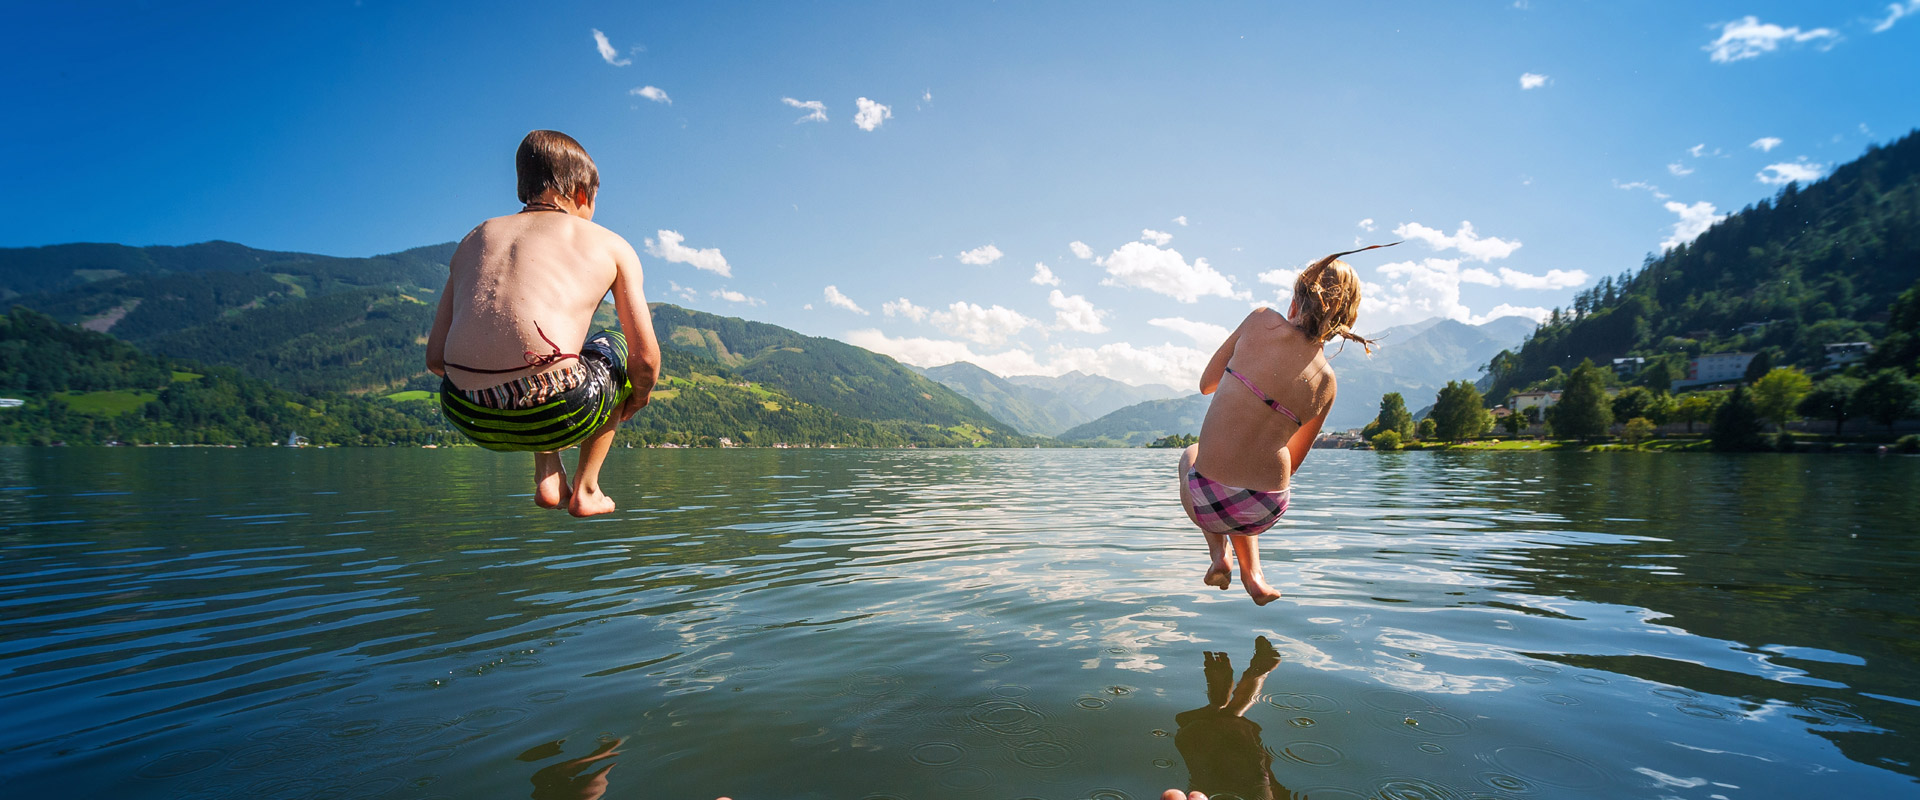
(1196, 152)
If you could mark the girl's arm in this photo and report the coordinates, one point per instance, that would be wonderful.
(1217, 368)
(1302, 440)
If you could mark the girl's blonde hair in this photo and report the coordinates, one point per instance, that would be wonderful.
(1328, 294)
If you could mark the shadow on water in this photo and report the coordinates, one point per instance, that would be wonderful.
(403, 623)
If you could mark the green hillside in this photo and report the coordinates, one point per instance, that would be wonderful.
(1813, 265)
(1028, 409)
(1140, 424)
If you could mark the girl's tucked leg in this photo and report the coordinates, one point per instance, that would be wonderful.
(1219, 572)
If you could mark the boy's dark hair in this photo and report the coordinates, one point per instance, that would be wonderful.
(553, 160)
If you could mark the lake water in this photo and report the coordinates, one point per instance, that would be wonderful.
(938, 624)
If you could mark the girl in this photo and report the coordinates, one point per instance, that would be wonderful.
(1234, 483)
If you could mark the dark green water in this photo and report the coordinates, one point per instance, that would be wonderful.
(917, 624)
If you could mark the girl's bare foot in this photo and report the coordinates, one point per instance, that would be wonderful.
(588, 502)
(1258, 588)
(550, 489)
(1220, 574)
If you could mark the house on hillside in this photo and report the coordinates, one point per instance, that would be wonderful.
(1840, 354)
(1628, 367)
(1713, 368)
(1536, 400)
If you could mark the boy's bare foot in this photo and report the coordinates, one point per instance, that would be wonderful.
(1258, 588)
(1220, 574)
(550, 489)
(589, 502)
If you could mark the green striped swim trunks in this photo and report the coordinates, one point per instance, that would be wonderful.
(558, 420)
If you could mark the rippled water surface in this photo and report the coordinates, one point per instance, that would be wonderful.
(918, 624)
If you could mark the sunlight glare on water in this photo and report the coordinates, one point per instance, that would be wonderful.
(930, 624)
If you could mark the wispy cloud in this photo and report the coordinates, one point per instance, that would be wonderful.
(1679, 170)
(838, 300)
(1203, 333)
(1080, 250)
(817, 111)
(871, 114)
(1654, 190)
(1075, 313)
(1465, 240)
(654, 93)
(1748, 37)
(1787, 172)
(981, 256)
(1367, 224)
(670, 248)
(1765, 144)
(1044, 276)
(1533, 80)
(1158, 238)
(1554, 279)
(607, 52)
(732, 296)
(1694, 220)
(1895, 12)
(903, 308)
(1180, 220)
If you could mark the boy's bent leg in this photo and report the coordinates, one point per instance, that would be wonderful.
(550, 488)
(588, 500)
(1247, 549)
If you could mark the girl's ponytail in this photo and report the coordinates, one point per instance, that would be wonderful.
(1328, 294)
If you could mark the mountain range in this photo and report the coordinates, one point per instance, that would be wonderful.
(1044, 405)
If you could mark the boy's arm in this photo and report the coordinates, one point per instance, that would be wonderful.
(443, 320)
(636, 321)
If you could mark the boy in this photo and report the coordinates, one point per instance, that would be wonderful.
(517, 285)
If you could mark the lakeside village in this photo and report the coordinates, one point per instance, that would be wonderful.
(1722, 401)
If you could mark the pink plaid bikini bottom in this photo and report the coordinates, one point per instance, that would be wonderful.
(1232, 510)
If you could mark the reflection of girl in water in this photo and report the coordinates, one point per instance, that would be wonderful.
(1221, 746)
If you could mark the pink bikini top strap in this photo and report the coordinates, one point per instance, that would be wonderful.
(1264, 398)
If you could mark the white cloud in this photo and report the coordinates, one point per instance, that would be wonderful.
(606, 50)
(1747, 37)
(1158, 238)
(1694, 220)
(1145, 266)
(1532, 80)
(838, 300)
(871, 114)
(1464, 240)
(1122, 361)
(926, 96)
(1206, 334)
(1765, 144)
(903, 308)
(1180, 220)
(1075, 313)
(1367, 224)
(1282, 277)
(981, 256)
(1679, 170)
(1655, 190)
(1787, 172)
(1421, 289)
(1895, 12)
(1699, 149)
(1044, 276)
(1554, 279)
(1481, 276)
(816, 110)
(1080, 250)
(670, 248)
(989, 326)
(654, 93)
(686, 294)
(732, 296)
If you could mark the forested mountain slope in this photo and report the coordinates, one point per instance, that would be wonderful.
(1813, 265)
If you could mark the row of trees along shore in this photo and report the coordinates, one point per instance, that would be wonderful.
(1595, 404)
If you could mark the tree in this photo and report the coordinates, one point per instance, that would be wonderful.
(1736, 425)
(1638, 401)
(1660, 375)
(1394, 416)
(1386, 441)
(1694, 408)
(1887, 397)
(1761, 364)
(1458, 413)
(1582, 412)
(1429, 429)
(1514, 423)
(1832, 399)
(1777, 394)
(1639, 429)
